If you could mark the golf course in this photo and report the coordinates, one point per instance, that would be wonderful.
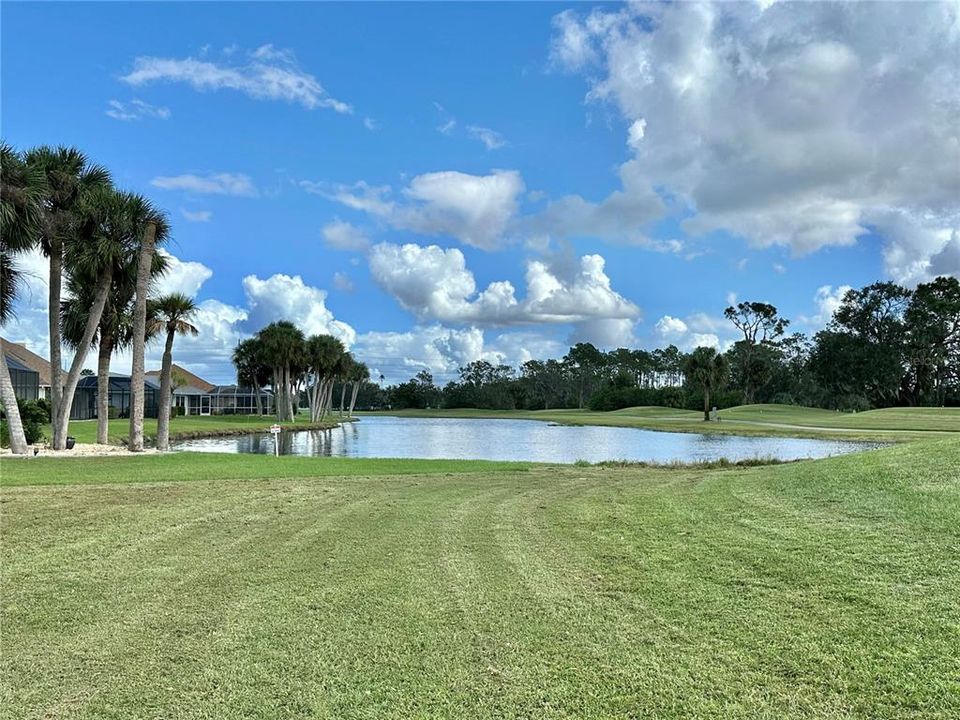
(246, 586)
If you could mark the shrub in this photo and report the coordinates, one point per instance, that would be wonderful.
(45, 405)
(113, 413)
(34, 418)
(178, 410)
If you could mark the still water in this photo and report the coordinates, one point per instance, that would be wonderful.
(525, 440)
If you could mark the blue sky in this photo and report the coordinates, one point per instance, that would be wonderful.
(370, 169)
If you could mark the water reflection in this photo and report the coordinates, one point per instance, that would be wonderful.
(531, 440)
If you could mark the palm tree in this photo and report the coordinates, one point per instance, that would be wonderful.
(346, 368)
(324, 360)
(22, 190)
(282, 344)
(709, 369)
(152, 229)
(251, 370)
(115, 331)
(68, 178)
(172, 312)
(359, 375)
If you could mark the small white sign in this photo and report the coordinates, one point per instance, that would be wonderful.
(275, 429)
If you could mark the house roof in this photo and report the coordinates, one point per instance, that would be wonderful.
(29, 360)
(192, 380)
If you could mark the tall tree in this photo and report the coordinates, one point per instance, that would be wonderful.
(68, 177)
(585, 361)
(359, 375)
(932, 322)
(115, 331)
(252, 371)
(22, 190)
(323, 361)
(708, 369)
(283, 349)
(761, 325)
(152, 230)
(171, 314)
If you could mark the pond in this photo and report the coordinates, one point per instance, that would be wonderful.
(523, 440)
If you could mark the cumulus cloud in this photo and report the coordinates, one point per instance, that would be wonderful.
(698, 330)
(829, 122)
(182, 276)
(443, 350)
(341, 235)
(268, 74)
(136, 110)
(826, 300)
(474, 209)
(212, 184)
(435, 284)
(286, 297)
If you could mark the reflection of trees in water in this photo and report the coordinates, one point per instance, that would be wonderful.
(324, 443)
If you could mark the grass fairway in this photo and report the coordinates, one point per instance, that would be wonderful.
(820, 589)
(892, 424)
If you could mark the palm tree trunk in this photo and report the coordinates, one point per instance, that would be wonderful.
(73, 377)
(706, 404)
(103, 385)
(137, 388)
(354, 391)
(18, 441)
(343, 395)
(163, 411)
(56, 361)
(256, 396)
(289, 394)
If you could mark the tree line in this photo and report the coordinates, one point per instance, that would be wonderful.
(884, 346)
(300, 371)
(102, 244)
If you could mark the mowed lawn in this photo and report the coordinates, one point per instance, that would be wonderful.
(824, 589)
(85, 431)
(893, 424)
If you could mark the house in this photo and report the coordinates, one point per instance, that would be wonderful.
(30, 362)
(198, 397)
(85, 400)
(26, 382)
(188, 390)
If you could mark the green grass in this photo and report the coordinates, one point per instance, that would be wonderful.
(822, 589)
(85, 431)
(894, 424)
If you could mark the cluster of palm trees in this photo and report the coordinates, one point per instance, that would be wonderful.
(281, 356)
(102, 245)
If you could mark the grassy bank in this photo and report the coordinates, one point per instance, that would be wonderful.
(85, 431)
(346, 589)
(893, 424)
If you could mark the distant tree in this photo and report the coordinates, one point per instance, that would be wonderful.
(708, 369)
(761, 325)
(584, 361)
(87, 372)
(932, 324)
(252, 370)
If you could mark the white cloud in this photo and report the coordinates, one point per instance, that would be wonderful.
(795, 124)
(442, 350)
(342, 282)
(212, 184)
(269, 74)
(827, 300)
(474, 209)
(491, 139)
(197, 215)
(182, 276)
(285, 297)
(447, 126)
(136, 110)
(371, 124)
(341, 235)
(698, 330)
(779, 268)
(435, 284)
